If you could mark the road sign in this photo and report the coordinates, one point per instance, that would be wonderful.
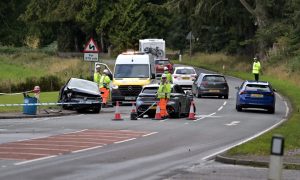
(92, 57)
(91, 47)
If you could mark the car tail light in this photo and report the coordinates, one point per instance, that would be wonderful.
(204, 83)
(243, 92)
(270, 94)
(175, 77)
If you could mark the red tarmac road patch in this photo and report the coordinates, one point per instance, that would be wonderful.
(65, 143)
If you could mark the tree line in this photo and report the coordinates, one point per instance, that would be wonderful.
(246, 27)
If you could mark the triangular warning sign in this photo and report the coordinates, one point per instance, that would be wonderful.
(91, 46)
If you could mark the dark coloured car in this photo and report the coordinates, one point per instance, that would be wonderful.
(160, 64)
(211, 85)
(82, 96)
(255, 94)
(178, 105)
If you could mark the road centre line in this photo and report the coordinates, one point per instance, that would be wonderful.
(81, 150)
(243, 141)
(220, 108)
(124, 141)
(34, 160)
(149, 134)
(224, 103)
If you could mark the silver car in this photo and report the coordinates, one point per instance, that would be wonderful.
(210, 85)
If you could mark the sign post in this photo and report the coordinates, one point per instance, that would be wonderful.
(91, 51)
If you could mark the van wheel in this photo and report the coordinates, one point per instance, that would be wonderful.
(226, 96)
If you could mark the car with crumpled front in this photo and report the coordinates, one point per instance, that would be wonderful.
(178, 104)
(80, 95)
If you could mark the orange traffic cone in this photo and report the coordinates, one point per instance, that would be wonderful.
(157, 113)
(133, 114)
(117, 113)
(192, 113)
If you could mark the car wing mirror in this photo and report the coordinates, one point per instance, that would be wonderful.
(274, 90)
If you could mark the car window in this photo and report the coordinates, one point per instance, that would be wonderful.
(131, 71)
(162, 62)
(177, 89)
(257, 87)
(185, 71)
(150, 90)
(214, 78)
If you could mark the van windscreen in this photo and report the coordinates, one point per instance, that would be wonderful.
(131, 71)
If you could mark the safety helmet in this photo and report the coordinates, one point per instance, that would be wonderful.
(165, 68)
(97, 66)
(255, 58)
(163, 76)
(105, 71)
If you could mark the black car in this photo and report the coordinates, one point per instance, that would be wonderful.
(211, 85)
(178, 105)
(80, 95)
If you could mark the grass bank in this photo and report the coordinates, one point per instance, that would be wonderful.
(286, 83)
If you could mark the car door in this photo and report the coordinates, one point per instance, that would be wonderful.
(183, 99)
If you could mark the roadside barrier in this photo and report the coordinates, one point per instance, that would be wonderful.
(192, 112)
(133, 114)
(117, 113)
(13, 94)
(157, 113)
(45, 104)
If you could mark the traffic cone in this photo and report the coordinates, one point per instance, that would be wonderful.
(117, 113)
(157, 113)
(133, 114)
(192, 113)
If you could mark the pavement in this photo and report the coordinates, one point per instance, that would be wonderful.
(222, 167)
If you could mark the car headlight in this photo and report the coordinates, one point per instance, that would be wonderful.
(69, 94)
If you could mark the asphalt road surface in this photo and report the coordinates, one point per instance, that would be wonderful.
(93, 146)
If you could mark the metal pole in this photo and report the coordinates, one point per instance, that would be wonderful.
(191, 47)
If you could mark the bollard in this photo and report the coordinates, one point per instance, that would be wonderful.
(275, 166)
(180, 58)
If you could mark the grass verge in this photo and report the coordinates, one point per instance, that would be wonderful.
(19, 99)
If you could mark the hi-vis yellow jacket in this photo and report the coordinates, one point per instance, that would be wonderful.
(164, 91)
(256, 67)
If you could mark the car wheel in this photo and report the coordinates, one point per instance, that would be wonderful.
(177, 114)
(81, 110)
(238, 108)
(271, 110)
(151, 115)
(97, 110)
(226, 96)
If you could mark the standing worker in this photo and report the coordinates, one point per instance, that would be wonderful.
(104, 87)
(163, 93)
(256, 68)
(168, 75)
(97, 75)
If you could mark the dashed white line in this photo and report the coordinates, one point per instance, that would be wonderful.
(34, 160)
(224, 103)
(150, 134)
(220, 108)
(81, 150)
(124, 141)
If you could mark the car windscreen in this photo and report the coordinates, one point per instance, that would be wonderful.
(257, 87)
(162, 62)
(150, 90)
(83, 84)
(214, 78)
(131, 71)
(185, 71)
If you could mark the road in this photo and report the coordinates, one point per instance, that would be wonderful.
(93, 146)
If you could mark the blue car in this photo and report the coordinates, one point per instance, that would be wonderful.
(255, 94)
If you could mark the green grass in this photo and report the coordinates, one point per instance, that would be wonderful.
(19, 99)
(290, 129)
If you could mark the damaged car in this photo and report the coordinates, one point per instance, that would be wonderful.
(80, 95)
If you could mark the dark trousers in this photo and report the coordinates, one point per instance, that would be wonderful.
(256, 76)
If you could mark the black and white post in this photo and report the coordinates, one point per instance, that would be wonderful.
(276, 158)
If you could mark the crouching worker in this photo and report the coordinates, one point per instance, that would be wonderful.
(163, 93)
(104, 87)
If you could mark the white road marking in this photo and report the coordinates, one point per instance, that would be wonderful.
(149, 134)
(224, 103)
(220, 108)
(124, 141)
(34, 160)
(210, 115)
(233, 123)
(243, 141)
(81, 150)
(286, 109)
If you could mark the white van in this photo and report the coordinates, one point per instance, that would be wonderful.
(132, 71)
